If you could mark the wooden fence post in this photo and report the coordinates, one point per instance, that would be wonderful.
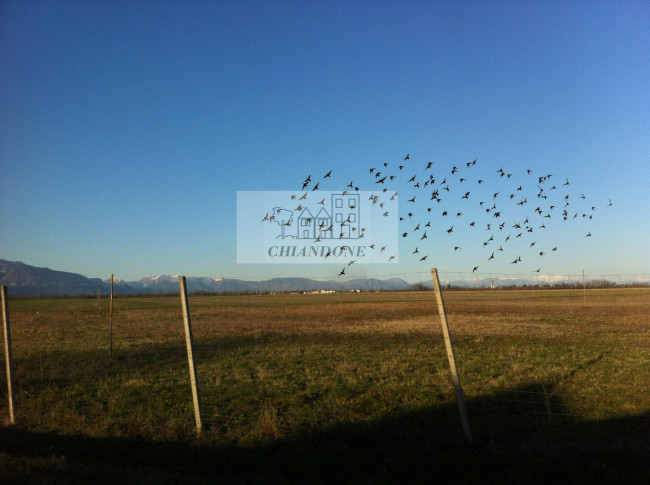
(189, 341)
(110, 349)
(7, 334)
(460, 395)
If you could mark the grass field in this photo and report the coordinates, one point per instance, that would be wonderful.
(337, 388)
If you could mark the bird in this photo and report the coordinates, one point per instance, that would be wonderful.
(539, 187)
(342, 271)
(475, 268)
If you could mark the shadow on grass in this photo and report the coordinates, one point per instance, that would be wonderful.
(511, 445)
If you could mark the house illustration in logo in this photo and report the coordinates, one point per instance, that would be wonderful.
(342, 221)
(345, 214)
(306, 225)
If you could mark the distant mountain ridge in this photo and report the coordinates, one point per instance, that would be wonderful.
(25, 280)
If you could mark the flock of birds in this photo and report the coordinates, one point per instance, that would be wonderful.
(506, 211)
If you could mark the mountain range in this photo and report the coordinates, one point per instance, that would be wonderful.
(25, 280)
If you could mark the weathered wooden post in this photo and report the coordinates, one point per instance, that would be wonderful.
(189, 341)
(460, 395)
(110, 350)
(7, 334)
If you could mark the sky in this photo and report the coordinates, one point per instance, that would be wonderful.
(128, 128)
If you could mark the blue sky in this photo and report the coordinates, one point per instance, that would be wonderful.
(127, 128)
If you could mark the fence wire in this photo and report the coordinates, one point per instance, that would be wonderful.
(63, 372)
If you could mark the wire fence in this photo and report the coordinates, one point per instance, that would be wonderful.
(258, 371)
(389, 281)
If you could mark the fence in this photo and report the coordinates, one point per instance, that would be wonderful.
(269, 365)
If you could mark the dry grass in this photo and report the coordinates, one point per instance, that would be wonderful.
(283, 367)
